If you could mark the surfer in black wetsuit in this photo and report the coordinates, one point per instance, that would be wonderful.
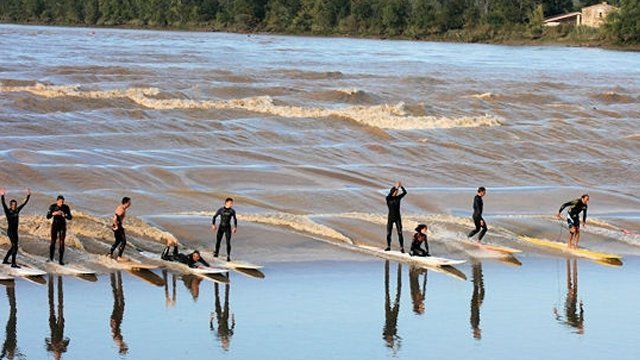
(226, 213)
(576, 207)
(118, 227)
(419, 238)
(60, 213)
(479, 222)
(393, 203)
(190, 260)
(13, 218)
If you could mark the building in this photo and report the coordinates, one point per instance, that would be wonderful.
(591, 16)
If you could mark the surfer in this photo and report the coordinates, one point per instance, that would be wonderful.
(226, 213)
(13, 218)
(60, 213)
(573, 218)
(118, 227)
(477, 214)
(190, 260)
(419, 238)
(393, 203)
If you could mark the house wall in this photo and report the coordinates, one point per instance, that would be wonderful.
(595, 15)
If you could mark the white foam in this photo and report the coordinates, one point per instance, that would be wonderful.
(382, 116)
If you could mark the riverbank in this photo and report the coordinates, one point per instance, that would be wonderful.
(558, 36)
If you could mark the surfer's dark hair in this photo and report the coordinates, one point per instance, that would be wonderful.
(584, 196)
(228, 199)
(420, 227)
(60, 197)
(125, 200)
(482, 189)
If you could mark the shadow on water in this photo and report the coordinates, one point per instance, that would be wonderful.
(391, 312)
(10, 346)
(222, 315)
(476, 300)
(147, 276)
(573, 310)
(118, 313)
(418, 292)
(56, 344)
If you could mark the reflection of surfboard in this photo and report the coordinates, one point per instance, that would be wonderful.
(431, 261)
(489, 247)
(69, 269)
(147, 276)
(253, 273)
(609, 259)
(7, 278)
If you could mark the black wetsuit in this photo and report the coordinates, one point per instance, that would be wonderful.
(121, 237)
(393, 203)
(416, 245)
(477, 218)
(573, 216)
(13, 218)
(58, 228)
(226, 214)
(182, 258)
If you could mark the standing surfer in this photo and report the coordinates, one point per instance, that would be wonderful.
(478, 221)
(226, 213)
(117, 226)
(60, 213)
(573, 218)
(393, 203)
(13, 218)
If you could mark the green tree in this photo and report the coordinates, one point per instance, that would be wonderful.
(624, 25)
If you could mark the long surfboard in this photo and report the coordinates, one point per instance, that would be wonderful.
(235, 265)
(25, 271)
(202, 270)
(489, 247)
(405, 257)
(107, 261)
(607, 258)
(69, 269)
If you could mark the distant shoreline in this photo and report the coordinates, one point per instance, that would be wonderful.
(511, 39)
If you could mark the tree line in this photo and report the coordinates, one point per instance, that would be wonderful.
(465, 20)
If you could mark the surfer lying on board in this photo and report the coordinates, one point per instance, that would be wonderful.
(393, 203)
(573, 218)
(419, 238)
(13, 218)
(193, 260)
(226, 213)
(478, 205)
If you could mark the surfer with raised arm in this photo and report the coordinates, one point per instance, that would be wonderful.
(478, 221)
(576, 207)
(226, 213)
(393, 203)
(12, 212)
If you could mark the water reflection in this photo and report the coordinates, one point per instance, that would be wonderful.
(10, 346)
(222, 315)
(418, 293)
(169, 299)
(476, 300)
(57, 343)
(118, 313)
(573, 310)
(192, 283)
(390, 330)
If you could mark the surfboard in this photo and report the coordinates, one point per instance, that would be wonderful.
(126, 264)
(405, 257)
(69, 269)
(490, 247)
(25, 271)
(233, 265)
(4, 277)
(202, 270)
(611, 259)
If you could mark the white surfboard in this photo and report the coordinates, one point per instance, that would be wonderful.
(25, 271)
(126, 264)
(405, 257)
(235, 264)
(69, 269)
(202, 270)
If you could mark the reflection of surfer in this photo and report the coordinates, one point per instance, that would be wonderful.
(222, 315)
(169, 300)
(390, 330)
(118, 312)
(476, 300)
(192, 283)
(57, 343)
(418, 294)
(574, 316)
(10, 345)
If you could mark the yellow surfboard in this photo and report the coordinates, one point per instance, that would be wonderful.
(606, 258)
(489, 247)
